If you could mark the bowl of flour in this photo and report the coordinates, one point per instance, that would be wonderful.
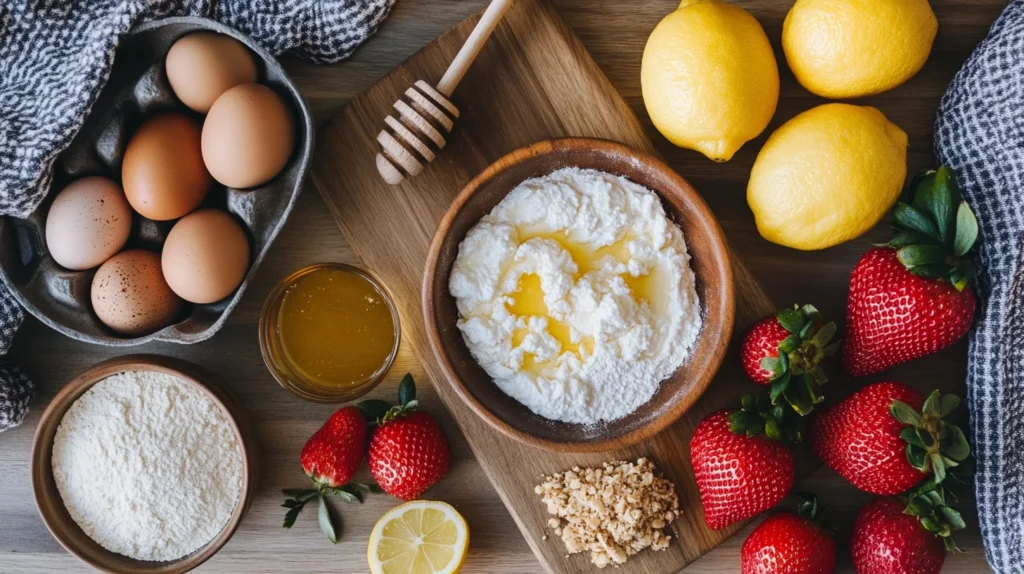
(143, 464)
(578, 295)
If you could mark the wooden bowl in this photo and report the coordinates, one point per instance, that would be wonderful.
(710, 263)
(48, 498)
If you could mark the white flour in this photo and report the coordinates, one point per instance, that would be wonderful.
(147, 465)
(550, 227)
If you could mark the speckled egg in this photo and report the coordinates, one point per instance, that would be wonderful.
(203, 65)
(129, 294)
(89, 221)
(205, 256)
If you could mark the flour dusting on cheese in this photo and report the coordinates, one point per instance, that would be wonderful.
(575, 294)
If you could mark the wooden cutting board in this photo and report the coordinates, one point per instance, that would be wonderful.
(534, 80)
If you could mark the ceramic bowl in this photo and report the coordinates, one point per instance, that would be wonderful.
(137, 90)
(48, 499)
(710, 263)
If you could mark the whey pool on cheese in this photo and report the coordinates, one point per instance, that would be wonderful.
(575, 294)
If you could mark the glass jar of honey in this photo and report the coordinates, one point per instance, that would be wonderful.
(329, 332)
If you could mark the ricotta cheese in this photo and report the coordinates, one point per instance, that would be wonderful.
(575, 294)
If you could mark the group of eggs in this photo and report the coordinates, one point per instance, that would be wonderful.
(168, 168)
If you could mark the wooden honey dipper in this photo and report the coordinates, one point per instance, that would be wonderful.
(425, 114)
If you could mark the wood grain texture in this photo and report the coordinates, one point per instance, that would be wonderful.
(533, 81)
(614, 33)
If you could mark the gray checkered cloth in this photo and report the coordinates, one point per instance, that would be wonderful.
(56, 55)
(980, 133)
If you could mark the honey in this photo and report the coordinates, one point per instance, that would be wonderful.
(586, 259)
(528, 299)
(331, 331)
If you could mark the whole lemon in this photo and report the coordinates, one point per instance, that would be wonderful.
(854, 48)
(827, 176)
(709, 77)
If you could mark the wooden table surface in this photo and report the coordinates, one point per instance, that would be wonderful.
(615, 33)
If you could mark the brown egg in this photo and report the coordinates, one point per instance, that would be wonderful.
(248, 136)
(163, 172)
(130, 296)
(88, 222)
(203, 65)
(205, 256)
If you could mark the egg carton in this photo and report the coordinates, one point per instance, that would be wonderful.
(138, 89)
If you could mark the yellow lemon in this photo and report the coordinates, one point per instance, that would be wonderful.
(827, 176)
(854, 48)
(709, 77)
(419, 537)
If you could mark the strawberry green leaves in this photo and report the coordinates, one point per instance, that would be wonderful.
(809, 509)
(933, 445)
(379, 412)
(327, 517)
(966, 230)
(934, 232)
(757, 416)
(797, 372)
(928, 502)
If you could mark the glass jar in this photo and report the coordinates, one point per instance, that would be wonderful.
(323, 330)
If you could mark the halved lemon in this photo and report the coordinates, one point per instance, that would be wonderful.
(419, 537)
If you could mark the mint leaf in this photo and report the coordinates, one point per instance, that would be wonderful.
(291, 515)
(328, 520)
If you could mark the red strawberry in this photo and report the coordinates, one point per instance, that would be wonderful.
(330, 458)
(408, 455)
(761, 342)
(886, 437)
(790, 543)
(911, 297)
(333, 454)
(888, 540)
(408, 452)
(738, 475)
(785, 350)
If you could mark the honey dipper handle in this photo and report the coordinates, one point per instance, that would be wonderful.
(464, 59)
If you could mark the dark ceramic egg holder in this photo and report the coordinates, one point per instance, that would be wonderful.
(137, 90)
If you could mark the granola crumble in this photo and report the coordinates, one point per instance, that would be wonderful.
(613, 511)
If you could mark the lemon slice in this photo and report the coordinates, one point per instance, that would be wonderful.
(419, 537)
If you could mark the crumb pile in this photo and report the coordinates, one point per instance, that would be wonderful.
(614, 511)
